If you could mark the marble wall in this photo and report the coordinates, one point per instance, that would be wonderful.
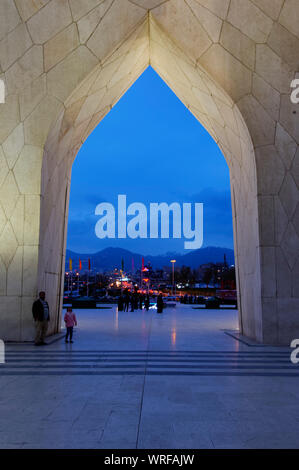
(65, 63)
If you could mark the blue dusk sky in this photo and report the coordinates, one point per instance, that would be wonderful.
(151, 148)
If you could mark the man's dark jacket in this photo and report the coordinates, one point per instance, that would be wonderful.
(38, 310)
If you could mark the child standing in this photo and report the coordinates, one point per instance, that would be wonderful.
(70, 321)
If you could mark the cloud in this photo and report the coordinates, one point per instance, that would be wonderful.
(217, 210)
(211, 197)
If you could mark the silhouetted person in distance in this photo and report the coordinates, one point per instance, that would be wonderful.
(133, 301)
(41, 315)
(127, 301)
(160, 304)
(147, 303)
(141, 301)
(136, 300)
(120, 303)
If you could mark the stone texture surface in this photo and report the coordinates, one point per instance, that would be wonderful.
(14, 45)
(25, 70)
(80, 8)
(123, 14)
(67, 62)
(50, 20)
(250, 20)
(9, 17)
(28, 8)
(289, 16)
(60, 46)
(63, 78)
(89, 22)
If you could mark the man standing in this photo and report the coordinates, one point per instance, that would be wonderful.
(41, 315)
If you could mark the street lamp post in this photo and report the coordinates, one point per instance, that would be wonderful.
(78, 283)
(68, 282)
(173, 261)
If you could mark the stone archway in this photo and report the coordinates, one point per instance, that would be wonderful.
(65, 63)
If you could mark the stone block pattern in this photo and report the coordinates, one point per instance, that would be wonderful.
(67, 62)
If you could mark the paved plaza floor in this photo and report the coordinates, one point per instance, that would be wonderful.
(143, 380)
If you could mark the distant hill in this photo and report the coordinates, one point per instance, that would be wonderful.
(110, 258)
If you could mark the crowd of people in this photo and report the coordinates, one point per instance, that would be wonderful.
(191, 299)
(131, 301)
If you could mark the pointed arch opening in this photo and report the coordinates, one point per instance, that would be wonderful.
(86, 106)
